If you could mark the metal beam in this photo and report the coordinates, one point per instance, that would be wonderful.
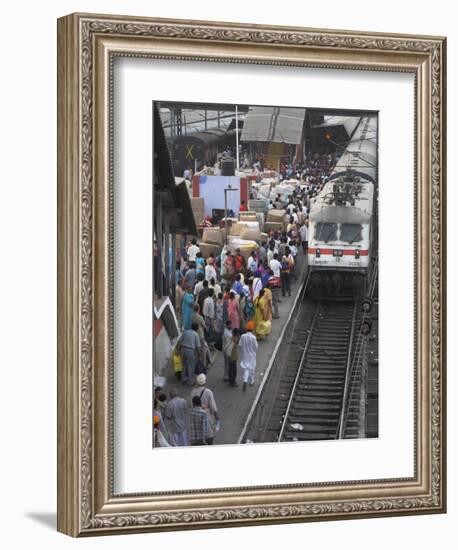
(159, 238)
(167, 253)
(174, 268)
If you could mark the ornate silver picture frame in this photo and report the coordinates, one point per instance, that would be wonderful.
(87, 46)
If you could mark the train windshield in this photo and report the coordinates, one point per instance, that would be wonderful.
(350, 232)
(326, 232)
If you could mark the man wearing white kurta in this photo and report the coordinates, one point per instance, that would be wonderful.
(248, 346)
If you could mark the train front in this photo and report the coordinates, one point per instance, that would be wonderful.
(341, 220)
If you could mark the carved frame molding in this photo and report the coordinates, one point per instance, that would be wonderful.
(87, 46)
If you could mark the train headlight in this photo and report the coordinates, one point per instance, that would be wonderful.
(318, 253)
(357, 254)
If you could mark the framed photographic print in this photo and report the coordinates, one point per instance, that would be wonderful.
(251, 274)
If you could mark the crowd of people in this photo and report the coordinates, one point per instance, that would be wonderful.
(313, 170)
(225, 304)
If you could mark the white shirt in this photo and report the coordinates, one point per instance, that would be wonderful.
(270, 255)
(199, 286)
(275, 266)
(210, 272)
(227, 342)
(248, 346)
(209, 307)
(304, 233)
(193, 250)
(216, 288)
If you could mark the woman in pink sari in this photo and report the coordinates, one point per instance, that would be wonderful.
(233, 310)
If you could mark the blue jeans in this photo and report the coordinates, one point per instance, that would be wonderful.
(189, 364)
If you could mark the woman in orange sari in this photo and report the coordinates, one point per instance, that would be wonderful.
(263, 314)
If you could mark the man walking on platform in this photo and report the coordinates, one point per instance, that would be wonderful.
(199, 423)
(233, 358)
(208, 404)
(190, 346)
(227, 348)
(248, 346)
(176, 414)
(304, 235)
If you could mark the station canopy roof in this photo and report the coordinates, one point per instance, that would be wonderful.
(274, 124)
(348, 123)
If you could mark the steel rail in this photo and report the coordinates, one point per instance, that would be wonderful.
(299, 371)
(343, 412)
(290, 321)
(357, 360)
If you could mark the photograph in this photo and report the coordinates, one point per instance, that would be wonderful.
(265, 274)
(251, 275)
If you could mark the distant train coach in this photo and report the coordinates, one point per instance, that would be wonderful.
(199, 148)
(341, 218)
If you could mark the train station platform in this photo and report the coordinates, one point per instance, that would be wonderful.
(233, 404)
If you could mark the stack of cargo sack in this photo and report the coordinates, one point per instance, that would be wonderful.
(230, 222)
(275, 220)
(245, 234)
(246, 247)
(236, 228)
(247, 216)
(259, 205)
(212, 241)
(251, 232)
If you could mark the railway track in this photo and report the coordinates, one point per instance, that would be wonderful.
(304, 396)
(315, 403)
